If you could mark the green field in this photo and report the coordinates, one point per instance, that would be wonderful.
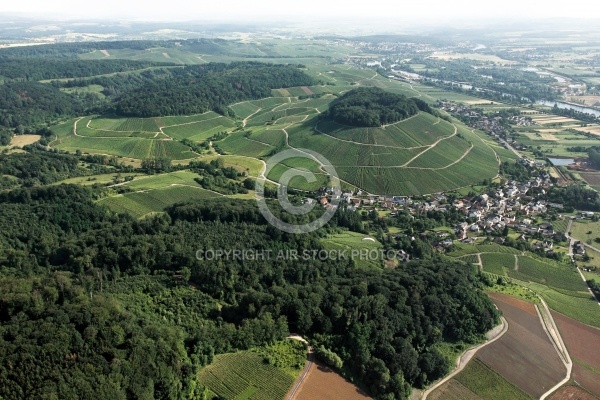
(488, 384)
(350, 242)
(259, 374)
(143, 203)
(498, 263)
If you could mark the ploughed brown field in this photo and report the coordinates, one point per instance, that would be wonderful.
(583, 344)
(524, 355)
(572, 393)
(591, 178)
(323, 383)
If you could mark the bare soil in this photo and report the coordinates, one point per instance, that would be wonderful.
(583, 343)
(591, 178)
(524, 355)
(23, 140)
(323, 383)
(307, 90)
(572, 393)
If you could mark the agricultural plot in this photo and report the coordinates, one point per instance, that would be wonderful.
(580, 306)
(149, 182)
(580, 339)
(548, 273)
(524, 355)
(238, 144)
(183, 119)
(323, 383)
(478, 381)
(201, 130)
(244, 375)
(139, 204)
(497, 263)
(251, 166)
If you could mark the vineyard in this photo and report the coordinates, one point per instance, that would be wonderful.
(498, 263)
(140, 204)
(260, 374)
(201, 130)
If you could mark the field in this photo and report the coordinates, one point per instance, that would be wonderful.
(498, 263)
(418, 156)
(582, 342)
(352, 241)
(323, 383)
(585, 230)
(478, 381)
(246, 375)
(525, 351)
(572, 393)
(139, 138)
(143, 203)
(23, 140)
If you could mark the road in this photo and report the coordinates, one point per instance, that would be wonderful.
(559, 345)
(468, 355)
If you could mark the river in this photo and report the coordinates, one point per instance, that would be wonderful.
(560, 104)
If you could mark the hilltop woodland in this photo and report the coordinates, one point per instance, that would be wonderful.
(130, 88)
(373, 107)
(97, 304)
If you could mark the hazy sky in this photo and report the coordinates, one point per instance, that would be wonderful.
(277, 9)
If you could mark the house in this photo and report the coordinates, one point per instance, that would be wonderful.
(323, 201)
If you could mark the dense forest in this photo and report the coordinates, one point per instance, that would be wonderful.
(74, 50)
(99, 303)
(40, 69)
(373, 107)
(200, 88)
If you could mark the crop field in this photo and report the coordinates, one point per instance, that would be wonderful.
(201, 130)
(137, 148)
(478, 381)
(498, 263)
(149, 182)
(143, 203)
(571, 392)
(580, 306)
(238, 144)
(323, 383)
(580, 339)
(245, 375)
(524, 355)
(548, 273)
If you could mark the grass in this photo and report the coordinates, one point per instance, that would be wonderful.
(355, 248)
(586, 230)
(488, 384)
(261, 373)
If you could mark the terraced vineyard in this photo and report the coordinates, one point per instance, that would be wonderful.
(420, 155)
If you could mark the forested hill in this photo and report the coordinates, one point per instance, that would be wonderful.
(94, 304)
(40, 69)
(371, 106)
(200, 88)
